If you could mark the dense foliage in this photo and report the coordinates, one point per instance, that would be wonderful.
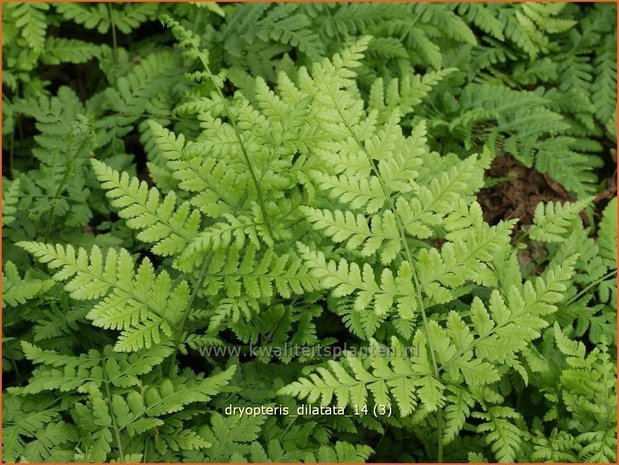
(186, 183)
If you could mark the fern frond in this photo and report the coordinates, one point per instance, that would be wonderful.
(574, 170)
(437, 199)
(504, 437)
(307, 176)
(160, 222)
(11, 191)
(59, 50)
(354, 18)
(405, 94)
(257, 276)
(604, 84)
(282, 24)
(138, 92)
(355, 231)
(90, 16)
(23, 420)
(30, 20)
(457, 410)
(483, 16)
(345, 453)
(230, 434)
(17, 290)
(552, 221)
(586, 383)
(124, 17)
(347, 278)
(607, 234)
(465, 258)
(171, 395)
(361, 194)
(351, 388)
(141, 304)
(132, 15)
(234, 230)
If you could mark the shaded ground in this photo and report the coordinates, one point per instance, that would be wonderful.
(521, 190)
(516, 190)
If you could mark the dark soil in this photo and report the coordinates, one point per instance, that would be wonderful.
(517, 196)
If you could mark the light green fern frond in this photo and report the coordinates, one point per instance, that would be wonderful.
(607, 234)
(30, 20)
(347, 278)
(256, 275)
(552, 221)
(10, 197)
(161, 222)
(403, 95)
(17, 290)
(142, 305)
(504, 437)
(102, 17)
(59, 50)
(588, 386)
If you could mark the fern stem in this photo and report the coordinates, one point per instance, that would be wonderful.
(417, 285)
(119, 443)
(113, 28)
(197, 19)
(237, 133)
(382, 436)
(21, 129)
(409, 28)
(439, 433)
(194, 294)
(593, 284)
(283, 435)
(181, 325)
(145, 455)
(17, 373)
(67, 172)
(523, 233)
(337, 33)
(12, 144)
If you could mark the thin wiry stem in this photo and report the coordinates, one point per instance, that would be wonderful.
(181, 325)
(67, 173)
(113, 28)
(119, 443)
(237, 133)
(593, 284)
(409, 257)
(194, 294)
(11, 149)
